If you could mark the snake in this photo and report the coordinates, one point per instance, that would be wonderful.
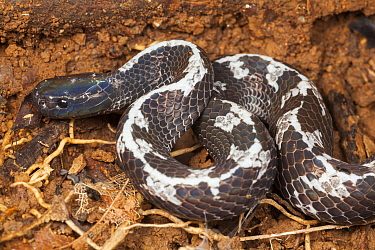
(262, 121)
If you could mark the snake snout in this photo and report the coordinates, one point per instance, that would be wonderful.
(51, 106)
(42, 102)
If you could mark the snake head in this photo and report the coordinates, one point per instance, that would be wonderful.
(72, 96)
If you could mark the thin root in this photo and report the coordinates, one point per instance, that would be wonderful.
(301, 231)
(287, 214)
(44, 170)
(185, 150)
(36, 193)
(79, 231)
(17, 143)
(71, 128)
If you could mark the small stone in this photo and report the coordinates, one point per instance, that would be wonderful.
(46, 55)
(103, 36)
(79, 38)
(102, 155)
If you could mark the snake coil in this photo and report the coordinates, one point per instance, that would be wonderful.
(172, 85)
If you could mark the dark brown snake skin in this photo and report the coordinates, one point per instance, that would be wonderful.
(172, 84)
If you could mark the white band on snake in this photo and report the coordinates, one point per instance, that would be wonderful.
(172, 85)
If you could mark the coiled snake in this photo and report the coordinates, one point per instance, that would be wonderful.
(171, 84)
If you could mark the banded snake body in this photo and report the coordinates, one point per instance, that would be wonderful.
(172, 85)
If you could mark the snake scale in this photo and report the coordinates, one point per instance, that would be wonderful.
(242, 106)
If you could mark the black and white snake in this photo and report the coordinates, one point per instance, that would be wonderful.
(172, 85)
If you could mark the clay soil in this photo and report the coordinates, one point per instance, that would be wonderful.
(40, 40)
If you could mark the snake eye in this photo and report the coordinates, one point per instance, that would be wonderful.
(62, 103)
